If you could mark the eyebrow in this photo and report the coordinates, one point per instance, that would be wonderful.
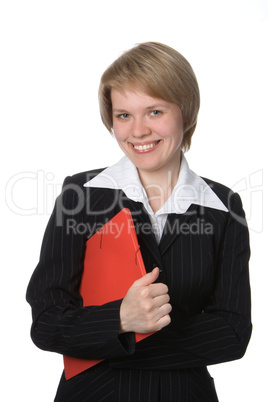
(119, 111)
(151, 107)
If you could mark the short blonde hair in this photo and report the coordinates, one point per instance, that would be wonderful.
(161, 72)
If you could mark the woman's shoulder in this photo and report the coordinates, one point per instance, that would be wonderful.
(229, 198)
(75, 195)
(82, 178)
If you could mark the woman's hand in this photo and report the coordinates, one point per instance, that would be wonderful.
(145, 307)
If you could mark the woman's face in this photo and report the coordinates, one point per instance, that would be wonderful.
(148, 130)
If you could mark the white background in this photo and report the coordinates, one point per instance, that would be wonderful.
(52, 56)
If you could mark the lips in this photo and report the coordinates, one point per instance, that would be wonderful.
(140, 148)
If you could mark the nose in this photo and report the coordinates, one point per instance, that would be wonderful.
(140, 128)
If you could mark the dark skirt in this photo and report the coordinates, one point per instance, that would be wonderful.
(105, 383)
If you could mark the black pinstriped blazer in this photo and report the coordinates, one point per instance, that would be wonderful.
(203, 255)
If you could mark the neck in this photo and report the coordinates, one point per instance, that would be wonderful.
(159, 184)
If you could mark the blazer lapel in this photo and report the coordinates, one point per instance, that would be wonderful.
(176, 224)
(143, 228)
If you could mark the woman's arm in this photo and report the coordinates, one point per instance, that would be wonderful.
(60, 322)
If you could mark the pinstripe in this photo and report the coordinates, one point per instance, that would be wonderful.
(207, 277)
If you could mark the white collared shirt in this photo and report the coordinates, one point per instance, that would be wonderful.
(189, 189)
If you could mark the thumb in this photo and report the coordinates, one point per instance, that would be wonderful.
(149, 278)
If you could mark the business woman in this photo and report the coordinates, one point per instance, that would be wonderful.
(193, 237)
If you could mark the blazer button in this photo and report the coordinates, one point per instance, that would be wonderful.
(155, 265)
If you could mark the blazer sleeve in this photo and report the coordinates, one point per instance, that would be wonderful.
(222, 330)
(60, 322)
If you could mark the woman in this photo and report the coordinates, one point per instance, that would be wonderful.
(194, 241)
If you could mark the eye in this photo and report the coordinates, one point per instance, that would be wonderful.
(155, 113)
(123, 116)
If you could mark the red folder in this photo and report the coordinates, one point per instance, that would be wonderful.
(112, 263)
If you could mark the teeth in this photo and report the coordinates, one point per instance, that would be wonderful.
(143, 147)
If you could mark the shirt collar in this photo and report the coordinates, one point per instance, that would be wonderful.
(189, 189)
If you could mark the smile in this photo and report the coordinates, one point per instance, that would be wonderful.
(146, 146)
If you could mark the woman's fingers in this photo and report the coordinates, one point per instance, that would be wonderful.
(147, 279)
(162, 300)
(162, 322)
(145, 307)
(157, 289)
